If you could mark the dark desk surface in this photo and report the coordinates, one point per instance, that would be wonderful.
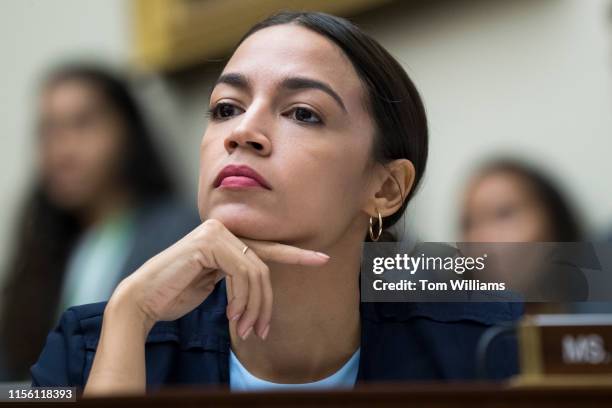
(392, 395)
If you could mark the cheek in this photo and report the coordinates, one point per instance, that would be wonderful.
(537, 225)
(101, 154)
(325, 184)
(211, 152)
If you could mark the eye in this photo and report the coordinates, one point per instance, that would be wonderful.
(224, 111)
(305, 115)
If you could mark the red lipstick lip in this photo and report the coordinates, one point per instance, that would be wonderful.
(240, 171)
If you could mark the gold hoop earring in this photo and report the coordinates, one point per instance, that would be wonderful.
(380, 228)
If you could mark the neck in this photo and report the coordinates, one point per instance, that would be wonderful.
(104, 207)
(315, 325)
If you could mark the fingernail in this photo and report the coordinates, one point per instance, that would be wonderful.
(236, 317)
(322, 255)
(264, 332)
(246, 333)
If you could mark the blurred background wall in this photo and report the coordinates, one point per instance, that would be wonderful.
(527, 78)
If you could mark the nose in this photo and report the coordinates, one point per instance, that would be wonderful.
(249, 134)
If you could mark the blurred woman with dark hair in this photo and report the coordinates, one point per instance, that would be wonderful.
(101, 184)
(509, 201)
(512, 202)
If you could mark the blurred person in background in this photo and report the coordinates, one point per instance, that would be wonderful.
(102, 204)
(509, 201)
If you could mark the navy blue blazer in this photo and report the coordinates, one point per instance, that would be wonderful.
(399, 341)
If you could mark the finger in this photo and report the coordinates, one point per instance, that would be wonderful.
(226, 258)
(281, 253)
(259, 294)
(238, 302)
(250, 315)
(262, 326)
(236, 267)
(230, 295)
(224, 251)
(258, 312)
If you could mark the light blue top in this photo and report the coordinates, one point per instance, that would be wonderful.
(96, 262)
(242, 380)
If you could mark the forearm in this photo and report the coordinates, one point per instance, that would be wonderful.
(119, 364)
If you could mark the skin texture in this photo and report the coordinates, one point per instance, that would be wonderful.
(501, 207)
(294, 312)
(80, 143)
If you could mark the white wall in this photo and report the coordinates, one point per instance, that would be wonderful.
(532, 77)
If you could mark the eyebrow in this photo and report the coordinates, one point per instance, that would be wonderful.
(233, 79)
(292, 83)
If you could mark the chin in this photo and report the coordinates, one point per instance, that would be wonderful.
(247, 222)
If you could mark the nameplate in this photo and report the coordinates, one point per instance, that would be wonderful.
(576, 348)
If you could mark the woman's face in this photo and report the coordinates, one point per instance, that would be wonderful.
(290, 106)
(80, 143)
(501, 207)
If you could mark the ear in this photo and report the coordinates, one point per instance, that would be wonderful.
(392, 183)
